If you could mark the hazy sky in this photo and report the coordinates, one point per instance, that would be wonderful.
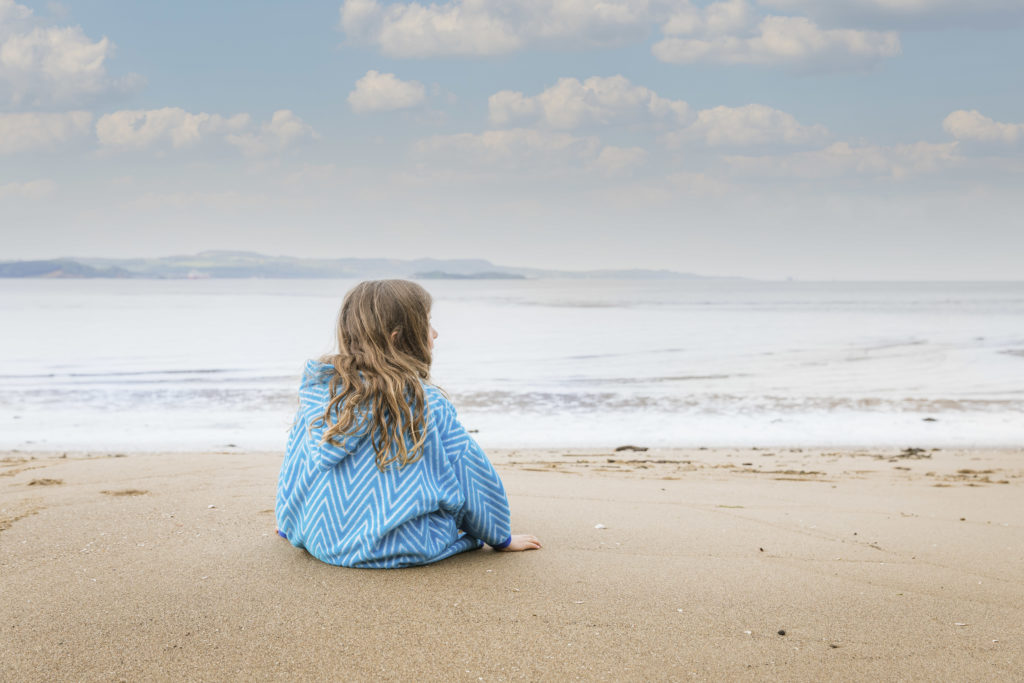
(819, 139)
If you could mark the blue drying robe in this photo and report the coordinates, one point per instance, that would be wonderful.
(333, 501)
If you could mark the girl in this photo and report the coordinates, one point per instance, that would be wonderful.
(378, 471)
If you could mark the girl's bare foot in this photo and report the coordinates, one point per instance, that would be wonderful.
(522, 542)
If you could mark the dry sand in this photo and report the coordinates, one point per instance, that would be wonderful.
(876, 564)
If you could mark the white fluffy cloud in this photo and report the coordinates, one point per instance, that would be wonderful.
(515, 150)
(43, 64)
(843, 159)
(488, 27)
(598, 100)
(752, 124)
(728, 33)
(26, 131)
(144, 129)
(385, 92)
(975, 126)
(140, 129)
(283, 129)
(33, 189)
(539, 152)
(572, 103)
(11, 12)
(719, 18)
(909, 13)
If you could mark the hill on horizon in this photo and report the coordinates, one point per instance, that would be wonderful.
(245, 264)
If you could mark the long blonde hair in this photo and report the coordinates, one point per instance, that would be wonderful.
(383, 354)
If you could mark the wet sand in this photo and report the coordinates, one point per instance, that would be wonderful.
(734, 564)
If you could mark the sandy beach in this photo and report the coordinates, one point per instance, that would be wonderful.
(716, 564)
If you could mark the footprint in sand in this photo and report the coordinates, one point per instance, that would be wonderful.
(7, 519)
(11, 471)
(125, 492)
(46, 482)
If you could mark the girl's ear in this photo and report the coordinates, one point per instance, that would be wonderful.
(394, 336)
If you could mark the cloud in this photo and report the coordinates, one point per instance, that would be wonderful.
(571, 103)
(44, 64)
(283, 129)
(726, 32)
(33, 189)
(751, 124)
(525, 153)
(20, 132)
(615, 161)
(597, 100)
(718, 18)
(491, 27)
(973, 125)
(385, 92)
(140, 129)
(508, 105)
(909, 13)
(843, 159)
(11, 12)
(145, 129)
(514, 147)
(716, 36)
(414, 30)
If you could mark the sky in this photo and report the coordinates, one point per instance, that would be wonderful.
(819, 140)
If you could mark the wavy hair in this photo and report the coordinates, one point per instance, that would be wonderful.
(383, 355)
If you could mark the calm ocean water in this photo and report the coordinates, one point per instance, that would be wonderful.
(174, 365)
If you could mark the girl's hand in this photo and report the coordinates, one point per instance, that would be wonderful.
(521, 542)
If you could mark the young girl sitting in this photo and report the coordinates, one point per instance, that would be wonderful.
(378, 471)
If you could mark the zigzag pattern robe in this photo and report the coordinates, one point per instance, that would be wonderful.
(344, 511)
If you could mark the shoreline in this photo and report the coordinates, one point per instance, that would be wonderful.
(657, 565)
(47, 451)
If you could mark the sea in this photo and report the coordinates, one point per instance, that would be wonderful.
(176, 365)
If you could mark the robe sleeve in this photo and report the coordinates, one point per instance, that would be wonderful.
(486, 514)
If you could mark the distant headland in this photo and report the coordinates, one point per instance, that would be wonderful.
(243, 264)
(490, 275)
